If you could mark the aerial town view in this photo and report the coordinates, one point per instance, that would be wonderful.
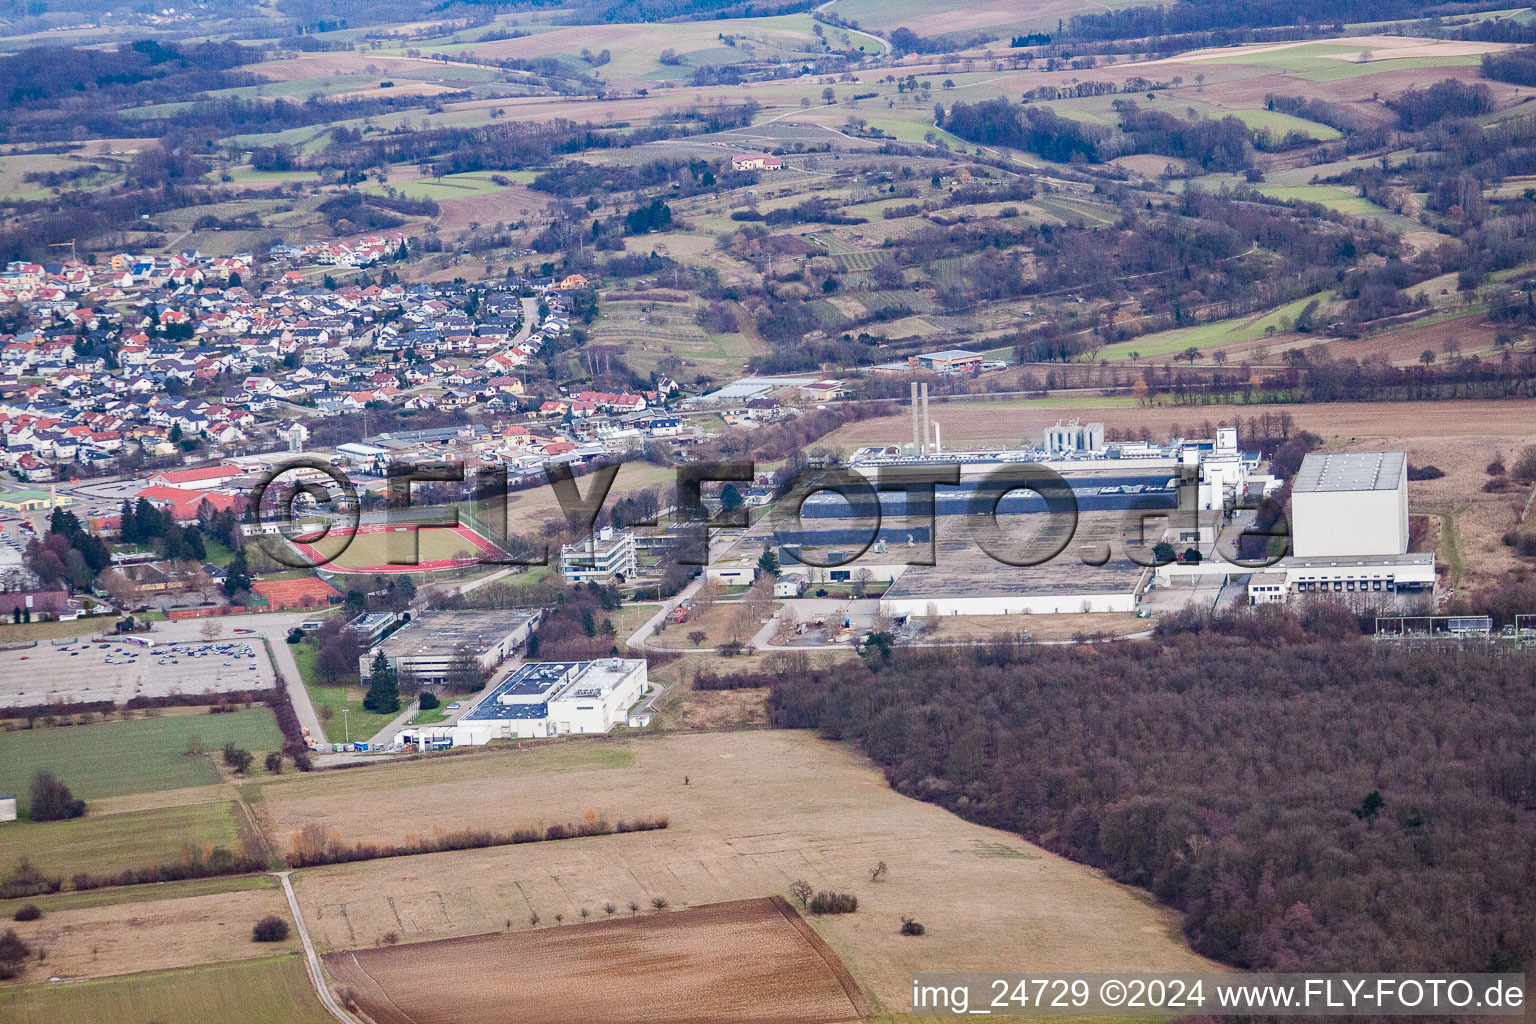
(766, 511)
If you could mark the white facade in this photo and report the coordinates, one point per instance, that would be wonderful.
(1350, 504)
(544, 699)
(1074, 437)
(602, 558)
(7, 808)
(1378, 576)
(1011, 604)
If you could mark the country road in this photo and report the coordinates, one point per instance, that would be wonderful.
(315, 975)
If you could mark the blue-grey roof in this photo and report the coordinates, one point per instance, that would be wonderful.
(532, 681)
(488, 710)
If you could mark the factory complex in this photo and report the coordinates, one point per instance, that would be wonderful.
(542, 699)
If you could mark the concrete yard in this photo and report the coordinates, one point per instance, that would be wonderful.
(94, 669)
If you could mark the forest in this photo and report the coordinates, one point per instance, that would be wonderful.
(1307, 799)
(1213, 145)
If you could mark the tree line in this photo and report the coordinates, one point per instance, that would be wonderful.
(1230, 771)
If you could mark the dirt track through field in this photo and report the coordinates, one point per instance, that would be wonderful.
(741, 962)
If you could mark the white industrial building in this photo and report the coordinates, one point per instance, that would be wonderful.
(603, 557)
(1382, 575)
(542, 699)
(1074, 437)
(1349, 533)
(1350, 503)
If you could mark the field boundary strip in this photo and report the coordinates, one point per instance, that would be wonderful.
(828, 956)
(405, 1018)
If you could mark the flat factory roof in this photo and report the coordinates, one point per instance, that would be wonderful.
(1349, 471)
(527, 692)
(432, 634)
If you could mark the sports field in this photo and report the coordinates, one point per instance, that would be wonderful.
(744, 961)
(140, 756)
(386, 548)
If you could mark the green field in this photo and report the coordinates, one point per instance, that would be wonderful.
(117, 842)
(274, 991)
(1280, 124)
(1321, 62)
(450, 186)
(1207, 337)
(140, 756)
(357, 724)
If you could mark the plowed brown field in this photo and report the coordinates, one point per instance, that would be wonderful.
(741, 962)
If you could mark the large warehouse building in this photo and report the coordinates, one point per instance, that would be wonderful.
(429, 645)
(1349, 533)
(1350, 503)
(545, 698)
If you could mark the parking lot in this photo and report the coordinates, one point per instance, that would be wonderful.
(119, 669)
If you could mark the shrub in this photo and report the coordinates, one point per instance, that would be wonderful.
(270, 929)
(236, 758)
(1425, 473)
(30, 912)
(911, 927)
(13, 953)
(826, 902)
(429, 701)
(52, 800)
(275, 762)
(1525, 467)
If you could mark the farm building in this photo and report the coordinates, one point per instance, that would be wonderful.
(756, 162)
(429, 645)
(547, 698)
(1351, 503)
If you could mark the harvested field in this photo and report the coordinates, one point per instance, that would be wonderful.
(124, 938)
(1506, 422)
(513, 203)
(744, 961)
(761, 810)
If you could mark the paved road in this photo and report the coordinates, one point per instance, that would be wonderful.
(530, 319)
(386, 735)
(638, 638)
(316, 978)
